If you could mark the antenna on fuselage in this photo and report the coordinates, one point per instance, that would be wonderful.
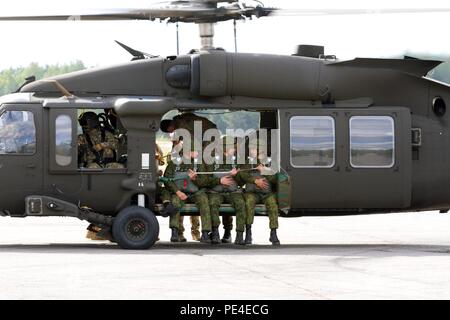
(178, 40)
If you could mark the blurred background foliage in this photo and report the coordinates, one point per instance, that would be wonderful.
(11, 79)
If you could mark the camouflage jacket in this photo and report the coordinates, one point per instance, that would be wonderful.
(87, 153)
(215, 178)
(178, 179)
(249, 174)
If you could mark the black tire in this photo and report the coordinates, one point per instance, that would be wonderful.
(135, 228)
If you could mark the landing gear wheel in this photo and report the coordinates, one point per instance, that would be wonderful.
(135, 228)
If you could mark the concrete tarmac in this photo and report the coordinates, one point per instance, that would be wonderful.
(396, 256)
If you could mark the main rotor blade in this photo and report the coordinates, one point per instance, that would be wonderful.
(323, 12)
(112, 14)
(198, 13)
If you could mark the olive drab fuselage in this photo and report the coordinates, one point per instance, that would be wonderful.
(287, 91)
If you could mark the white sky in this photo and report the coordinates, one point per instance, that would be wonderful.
(348, 36)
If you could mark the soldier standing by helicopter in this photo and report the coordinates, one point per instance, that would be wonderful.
(97, 148)
(161, 192)
(187, 121)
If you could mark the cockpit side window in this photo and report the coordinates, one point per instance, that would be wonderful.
(17, 133)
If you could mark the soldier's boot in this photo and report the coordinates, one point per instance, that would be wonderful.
(215, 236)
(248, 234)
(239, 238)
(90, 235)
(274, 238)
(205, 237)
(174, 237)
(168, 210)
(226, 236)
(93, 233)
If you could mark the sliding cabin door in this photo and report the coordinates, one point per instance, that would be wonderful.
(347, 158)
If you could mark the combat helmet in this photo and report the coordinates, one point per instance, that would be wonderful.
(89, 120)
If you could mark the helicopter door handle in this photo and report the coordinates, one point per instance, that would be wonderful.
(30, 166)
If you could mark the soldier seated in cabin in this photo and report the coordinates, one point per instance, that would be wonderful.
(187, 179)
(97, 147)
(226, 165)
(259, 183)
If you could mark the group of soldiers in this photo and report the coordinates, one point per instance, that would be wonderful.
(187, 180)
(243, 186)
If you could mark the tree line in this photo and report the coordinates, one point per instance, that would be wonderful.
(11, 79)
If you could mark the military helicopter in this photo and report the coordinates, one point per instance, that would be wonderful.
(355, 137)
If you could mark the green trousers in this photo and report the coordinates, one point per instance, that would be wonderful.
(269, 200)
(195, 225)
(163, 194)
(201, 201)
(236, 200)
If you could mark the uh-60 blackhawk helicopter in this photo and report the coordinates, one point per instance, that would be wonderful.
(355, 137)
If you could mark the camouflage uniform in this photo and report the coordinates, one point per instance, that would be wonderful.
(231, 194)
(227, 222)
(254, 195)
(193, 189)
(195, 226)
(187, 121)
(106, 156)
(161, 192)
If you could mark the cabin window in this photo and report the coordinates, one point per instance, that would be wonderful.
(17, 133)
(312, 141)
(372, 142)
(63, 140)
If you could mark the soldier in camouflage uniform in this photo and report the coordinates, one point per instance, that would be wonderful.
(260, 184)
(231, 194)
(161, 192)
(195, 227)
(97, 147)
(186, 121)
(187, 186)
